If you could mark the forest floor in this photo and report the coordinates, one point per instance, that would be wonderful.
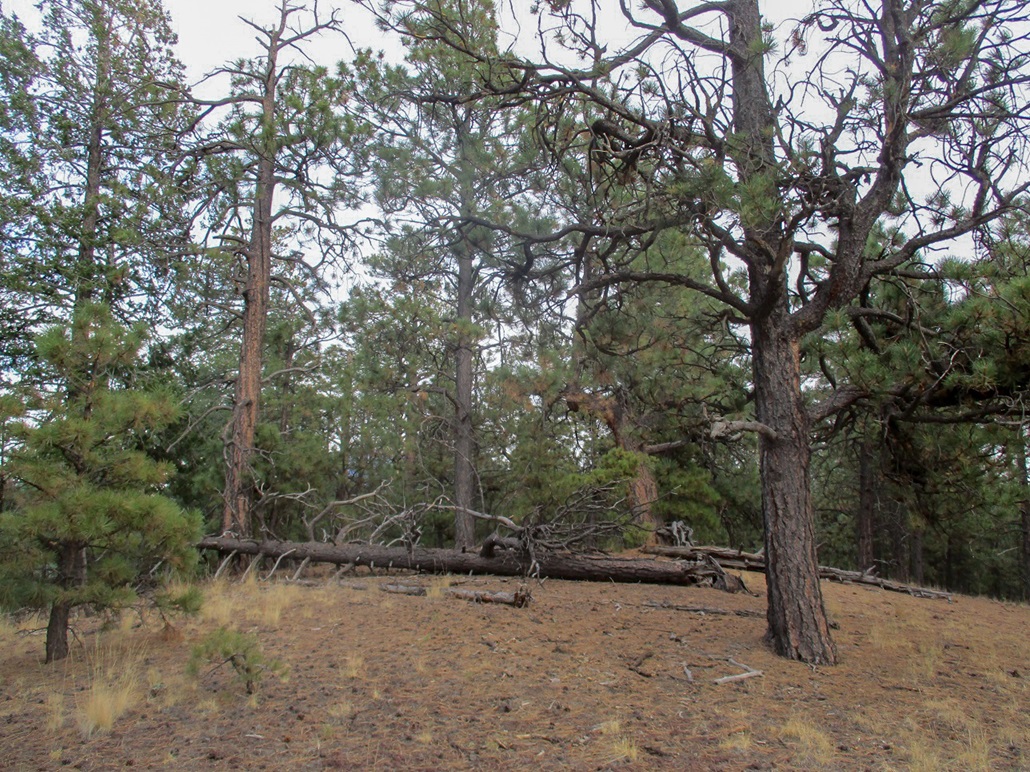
(586, 677)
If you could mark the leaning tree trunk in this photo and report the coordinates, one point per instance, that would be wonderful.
(798, 628)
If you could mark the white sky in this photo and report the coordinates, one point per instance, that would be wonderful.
(211, 33)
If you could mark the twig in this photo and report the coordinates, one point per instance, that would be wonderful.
(277, 562)
(254, 562)
(225, 563)
(303, 565)
(750, 673)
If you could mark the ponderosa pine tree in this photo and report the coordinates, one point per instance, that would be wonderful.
(280, 166)
(786, 187)
(89, 521)
(444, 163)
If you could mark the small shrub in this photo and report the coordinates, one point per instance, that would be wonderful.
(238, 649)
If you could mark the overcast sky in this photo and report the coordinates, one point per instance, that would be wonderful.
(211, 33)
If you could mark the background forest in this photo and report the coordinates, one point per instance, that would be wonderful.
(372, 299)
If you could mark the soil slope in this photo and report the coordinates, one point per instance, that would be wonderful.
(588, 676)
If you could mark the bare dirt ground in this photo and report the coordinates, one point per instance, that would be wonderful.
(587, 677)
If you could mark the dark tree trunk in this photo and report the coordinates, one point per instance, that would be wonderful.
(865, 521)
(239, 483)
(798, 628)
(464, 439)
(899, 542)
(918, 569)
(1024, 512)
(71, 572)
(1024, 509)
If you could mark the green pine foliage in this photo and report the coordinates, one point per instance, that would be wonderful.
(89, 523)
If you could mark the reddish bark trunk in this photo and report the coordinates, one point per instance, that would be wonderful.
(237, 516)
(798, 628)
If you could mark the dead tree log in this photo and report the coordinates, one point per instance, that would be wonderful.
(519, 599)
(601, 568)
(749, 561)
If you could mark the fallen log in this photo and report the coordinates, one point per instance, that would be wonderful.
(750, 561)
(519, 599)
(551, 565)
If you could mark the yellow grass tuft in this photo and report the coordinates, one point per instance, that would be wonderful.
(220, 607)
(114, 687)
(624, 749)
(922, 758)
(438, 587)
(815, 748)
(55, 712)
(976, 757)
(354, 666)
(276, 599)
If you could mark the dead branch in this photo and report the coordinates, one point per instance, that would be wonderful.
(749, 672)
(519, 599)
(750, 561)
(703, 610)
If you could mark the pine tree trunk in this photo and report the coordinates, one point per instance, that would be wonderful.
(239, 485)
(1024, 508)
(918, 570)
(57, 632)
(71, 571)
(464, 439)
(865, 521)
(798, 628)
(643, 493)
(1024, 511)
(237, 516)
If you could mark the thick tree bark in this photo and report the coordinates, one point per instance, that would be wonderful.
(798, 628)
(239, 490)
(1024, 510)
(239, 485)
(503, 562)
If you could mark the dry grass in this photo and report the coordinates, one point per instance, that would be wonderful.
(115, 685)
(398, 682)
(815, 748)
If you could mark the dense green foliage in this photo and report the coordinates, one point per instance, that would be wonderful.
(89, 522)
(421, 216)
